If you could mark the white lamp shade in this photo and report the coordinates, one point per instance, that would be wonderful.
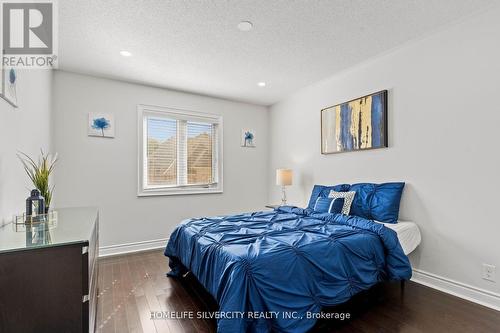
(284, 177)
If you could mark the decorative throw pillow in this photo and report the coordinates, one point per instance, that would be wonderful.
(329, 205)
(347, 198)
(322, 205)
(322, 191)
(337, 205)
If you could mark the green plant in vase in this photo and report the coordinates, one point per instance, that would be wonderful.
(39, 173)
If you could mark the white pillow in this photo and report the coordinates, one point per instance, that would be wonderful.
(348, 198)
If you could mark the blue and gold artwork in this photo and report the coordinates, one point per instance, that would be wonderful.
(355, 125)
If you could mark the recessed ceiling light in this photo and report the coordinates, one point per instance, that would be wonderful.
(245, 25)
(261, 84)
(125, 53)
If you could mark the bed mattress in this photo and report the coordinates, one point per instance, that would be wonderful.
(408, 234)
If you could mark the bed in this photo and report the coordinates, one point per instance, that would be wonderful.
(273, 270)
(408, 234)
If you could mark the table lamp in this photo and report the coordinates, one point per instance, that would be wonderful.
(283, 179)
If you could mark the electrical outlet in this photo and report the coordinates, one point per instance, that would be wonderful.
(489, 272)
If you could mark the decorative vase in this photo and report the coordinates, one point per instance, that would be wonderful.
(35, 205)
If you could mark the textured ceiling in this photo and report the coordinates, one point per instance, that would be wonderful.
(195, 46)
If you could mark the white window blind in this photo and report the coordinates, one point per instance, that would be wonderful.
(199, 153)
(180, 151)
(161, 156)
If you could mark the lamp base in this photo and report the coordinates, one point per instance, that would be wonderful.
(283, 195)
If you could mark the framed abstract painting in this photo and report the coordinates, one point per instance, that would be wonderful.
(359, 124)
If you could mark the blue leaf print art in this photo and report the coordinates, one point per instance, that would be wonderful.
(248, 138)
(12, 76)
(101, 125)
(10, 83)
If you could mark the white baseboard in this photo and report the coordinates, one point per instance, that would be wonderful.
(455, 288)
(113, 250)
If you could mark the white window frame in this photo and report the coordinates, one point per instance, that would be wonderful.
(144, 111)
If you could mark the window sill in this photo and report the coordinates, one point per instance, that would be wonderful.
(178, 191)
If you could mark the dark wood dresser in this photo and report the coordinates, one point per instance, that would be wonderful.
(48, 274)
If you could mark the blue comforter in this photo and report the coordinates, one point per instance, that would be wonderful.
(270, 270)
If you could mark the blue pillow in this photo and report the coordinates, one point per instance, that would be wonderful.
(323, 192)
(347, 198)
(378, 202)
(329, 205)
(337, 206)
(322, 205)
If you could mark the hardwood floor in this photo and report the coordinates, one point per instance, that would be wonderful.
(131, 286)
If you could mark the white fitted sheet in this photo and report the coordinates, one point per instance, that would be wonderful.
(408, 234)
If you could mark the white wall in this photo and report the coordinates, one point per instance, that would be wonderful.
(25, 129)
(103, 172)
(444, 123)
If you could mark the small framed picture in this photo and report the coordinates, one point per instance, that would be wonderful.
(248, 138)
(101, 124)
(9, 85)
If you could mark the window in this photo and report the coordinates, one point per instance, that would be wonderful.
(180, 152)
